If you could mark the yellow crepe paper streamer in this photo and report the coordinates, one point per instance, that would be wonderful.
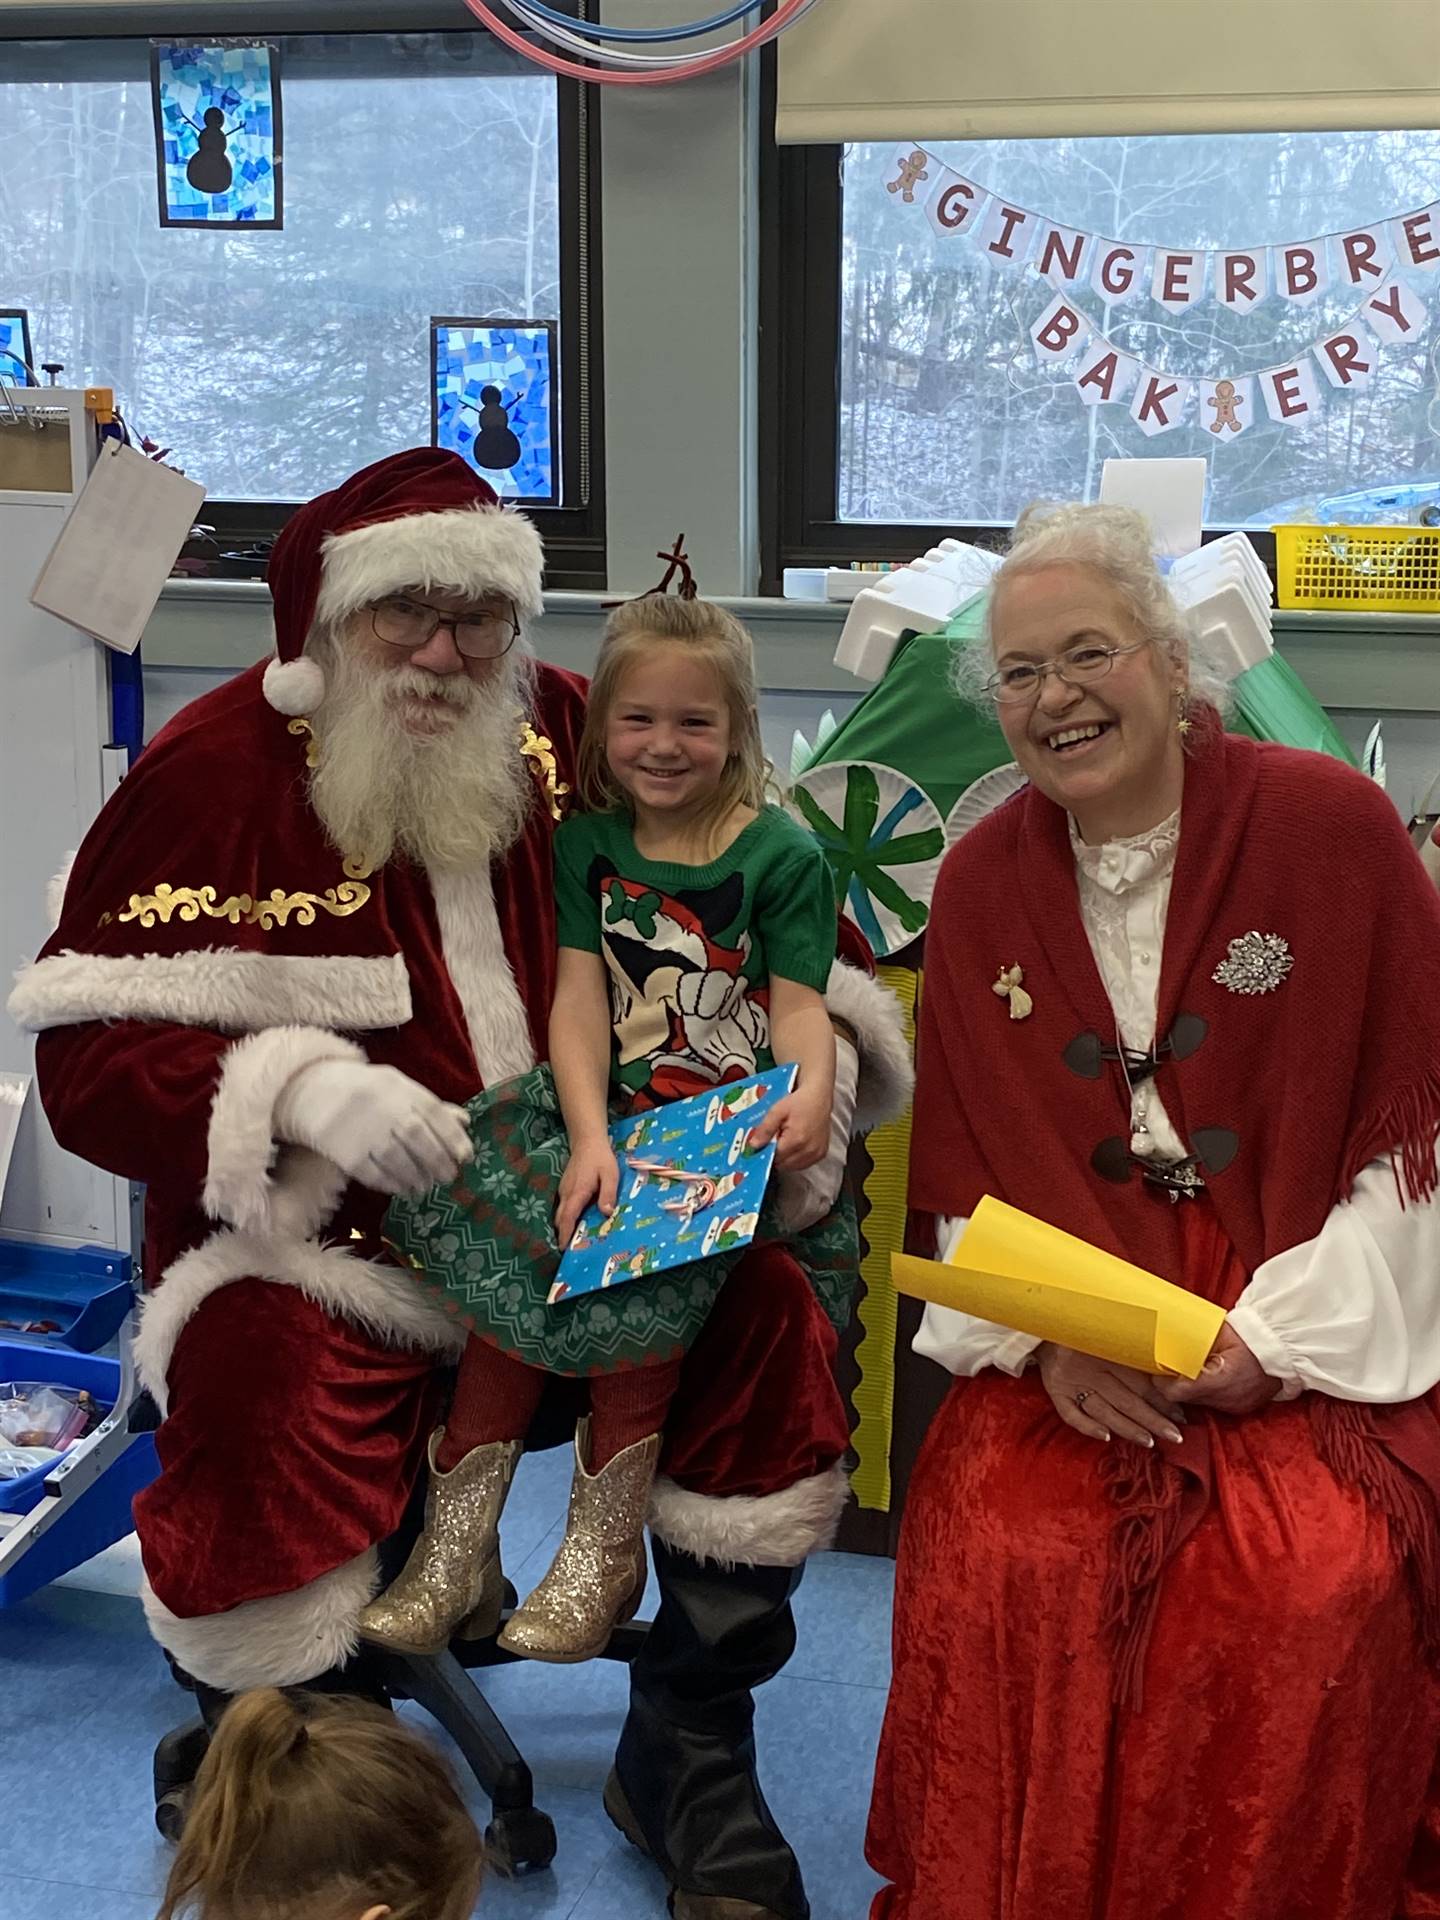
(886, 1189)
(1020, 1272)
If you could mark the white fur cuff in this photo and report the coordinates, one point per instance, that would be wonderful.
(761, 1530)
(887, 1074)
(281, 1641)
(240, 1188)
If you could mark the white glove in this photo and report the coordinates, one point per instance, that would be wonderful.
(807, 1194)
(377, 1124)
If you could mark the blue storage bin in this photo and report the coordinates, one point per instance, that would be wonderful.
(87, 1293)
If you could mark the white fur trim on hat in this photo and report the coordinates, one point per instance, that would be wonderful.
(295, 687)
(280, 1641)
(476, 550)
(752, 1530)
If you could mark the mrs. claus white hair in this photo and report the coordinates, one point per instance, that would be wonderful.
(1114, 542)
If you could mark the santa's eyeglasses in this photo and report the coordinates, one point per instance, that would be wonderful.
(484, 633)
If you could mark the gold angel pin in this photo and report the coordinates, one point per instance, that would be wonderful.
(1009, 987)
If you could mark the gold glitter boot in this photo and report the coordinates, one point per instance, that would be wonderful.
(453, 1573)
(598, 1576)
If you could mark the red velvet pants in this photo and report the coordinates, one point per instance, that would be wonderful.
(293, 1440)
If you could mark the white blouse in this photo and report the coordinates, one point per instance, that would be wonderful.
(1355, 1312)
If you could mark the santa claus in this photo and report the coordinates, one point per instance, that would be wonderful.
(316, 919)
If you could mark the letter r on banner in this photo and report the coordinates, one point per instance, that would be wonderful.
(1348, 359)
(1241, 280)
(1366, 255)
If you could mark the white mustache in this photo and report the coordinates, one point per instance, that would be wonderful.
(455, 689)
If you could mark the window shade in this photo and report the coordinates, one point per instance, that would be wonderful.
(1026, 69)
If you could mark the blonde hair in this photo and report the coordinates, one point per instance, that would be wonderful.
(317, 1807)
(718, 641)
(1117, 543)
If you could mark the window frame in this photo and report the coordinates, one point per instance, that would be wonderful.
(574, 534)
(801, 214)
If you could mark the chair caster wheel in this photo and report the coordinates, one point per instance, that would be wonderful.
(170, 1811)
(520, 1842)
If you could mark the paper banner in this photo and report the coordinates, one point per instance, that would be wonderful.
(1347, 359)
(1242, 280)
(1364, 257)
(1061, 328)
(1159, 402)
(1395, 314)
(1292, 393)
(1227, 407)
(1062, 255)
(911, 170)
(1117, 271)
(956, 204)
(1300, 274)
(1104, 373)
(1416, 238)
(1177, 280)
(1007, 233)
(1019, 1272)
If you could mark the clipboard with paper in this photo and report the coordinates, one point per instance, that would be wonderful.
(1022, 1273)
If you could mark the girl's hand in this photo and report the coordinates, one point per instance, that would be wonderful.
(800, 1127)
(593, 1173)
(1106, 1402)
(1233, 1380)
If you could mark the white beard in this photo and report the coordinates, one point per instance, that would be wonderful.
(447, 800)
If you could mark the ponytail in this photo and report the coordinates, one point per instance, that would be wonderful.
(315, 1807)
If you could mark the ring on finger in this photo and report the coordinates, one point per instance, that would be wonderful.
(1081, 1397)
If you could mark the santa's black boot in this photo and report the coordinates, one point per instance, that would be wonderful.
(684, 1788)
(180, 1752)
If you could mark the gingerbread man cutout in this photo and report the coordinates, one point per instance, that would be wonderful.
(1225, 401)
(911, 171)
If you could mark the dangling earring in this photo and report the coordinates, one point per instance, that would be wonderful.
(1183, 722)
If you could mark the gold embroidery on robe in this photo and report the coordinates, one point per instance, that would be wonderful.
(274, 909)
(303, 728)
(540, 751)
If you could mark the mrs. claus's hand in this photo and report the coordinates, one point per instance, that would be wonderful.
(1233, 1380)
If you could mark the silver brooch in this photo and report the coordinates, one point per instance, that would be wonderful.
(1257, 963)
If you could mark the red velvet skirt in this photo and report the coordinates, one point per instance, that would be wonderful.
(1279, 1766)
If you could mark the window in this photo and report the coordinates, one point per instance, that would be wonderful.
(427, 175)
(903, 391)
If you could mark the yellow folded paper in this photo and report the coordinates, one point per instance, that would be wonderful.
(1022, 1273)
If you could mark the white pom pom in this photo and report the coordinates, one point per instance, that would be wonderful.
(294, 687)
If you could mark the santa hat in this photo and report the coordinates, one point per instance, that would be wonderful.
(419, 519)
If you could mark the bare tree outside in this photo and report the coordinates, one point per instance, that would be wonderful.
(276, 363)
(945, 415)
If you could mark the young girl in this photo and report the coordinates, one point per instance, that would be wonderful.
(314, 1807)
(696, 930)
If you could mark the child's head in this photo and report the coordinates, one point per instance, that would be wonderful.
(672, 723)
(312, 1807)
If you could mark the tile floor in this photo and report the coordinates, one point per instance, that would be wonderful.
(86, 1696)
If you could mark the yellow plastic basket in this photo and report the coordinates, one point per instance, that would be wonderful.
(1358, 569)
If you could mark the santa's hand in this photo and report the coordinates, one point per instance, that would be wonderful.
(805, 1195)
(377, 1124)
(592, 1173)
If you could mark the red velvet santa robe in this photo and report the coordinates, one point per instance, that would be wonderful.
(212, 942)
